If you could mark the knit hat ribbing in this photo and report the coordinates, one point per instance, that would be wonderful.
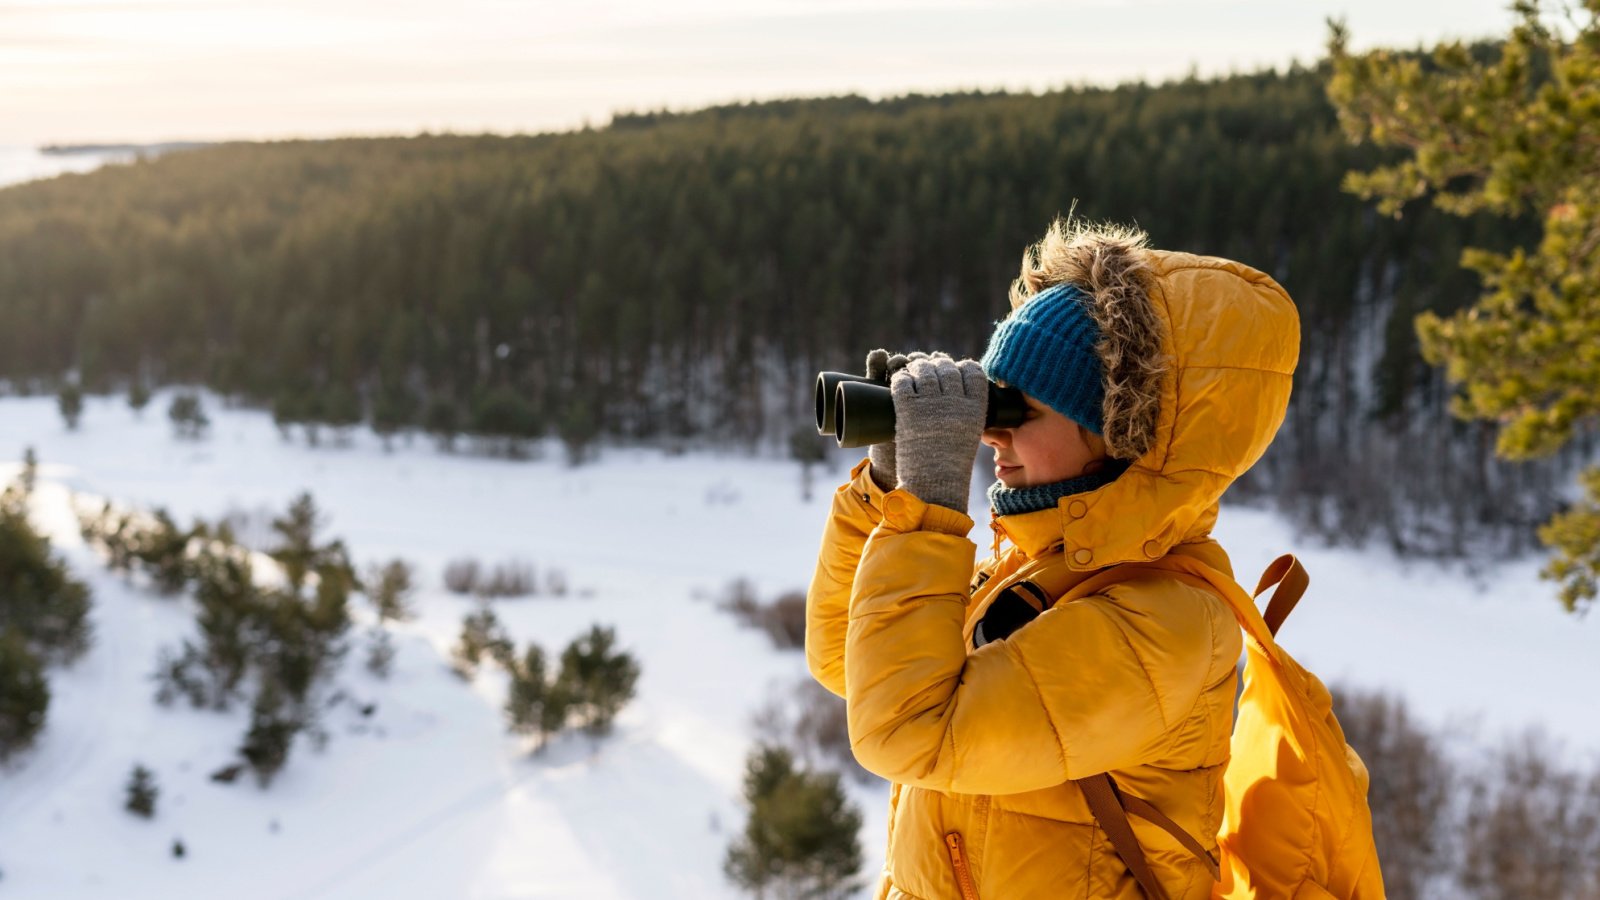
(1046, 349)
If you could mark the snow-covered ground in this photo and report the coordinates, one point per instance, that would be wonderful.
(18, 164)
(430, 797)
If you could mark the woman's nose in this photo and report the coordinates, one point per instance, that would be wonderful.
(997, 437)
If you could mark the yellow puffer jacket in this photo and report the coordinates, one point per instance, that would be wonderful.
(981, 745)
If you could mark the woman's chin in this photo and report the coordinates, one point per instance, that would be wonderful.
(1010, 476)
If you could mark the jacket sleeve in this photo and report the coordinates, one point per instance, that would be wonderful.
(1087, 687)
(855, 513)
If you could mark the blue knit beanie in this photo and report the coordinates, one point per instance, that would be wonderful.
(1045, 348)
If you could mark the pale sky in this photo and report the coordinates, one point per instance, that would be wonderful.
(150, 70)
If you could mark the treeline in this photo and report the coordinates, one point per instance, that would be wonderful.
(679, 277)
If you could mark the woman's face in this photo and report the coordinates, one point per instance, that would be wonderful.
(1047, 447)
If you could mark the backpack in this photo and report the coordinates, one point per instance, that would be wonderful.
(1295, 822)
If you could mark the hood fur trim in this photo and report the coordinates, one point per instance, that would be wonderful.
(1111, 265)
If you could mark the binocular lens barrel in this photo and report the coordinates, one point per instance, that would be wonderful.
(859, 412)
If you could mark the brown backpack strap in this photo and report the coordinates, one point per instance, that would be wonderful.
(1111, 808)
(1113, 820)
(1109, 805)
(1292, 581)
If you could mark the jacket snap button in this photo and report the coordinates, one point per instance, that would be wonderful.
(1152, 549)
(1077, 508)
(892, 506)
(1082, 555)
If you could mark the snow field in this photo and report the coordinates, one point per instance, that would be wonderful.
(431, 797)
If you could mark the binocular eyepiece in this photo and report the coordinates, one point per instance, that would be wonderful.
(859, 411)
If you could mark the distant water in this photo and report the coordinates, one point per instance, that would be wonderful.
(18, 164)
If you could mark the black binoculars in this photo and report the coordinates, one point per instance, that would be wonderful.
(859, 411)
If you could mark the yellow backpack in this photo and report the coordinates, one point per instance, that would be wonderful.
(1296, 823)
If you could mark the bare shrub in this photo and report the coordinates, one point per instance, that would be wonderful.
(810, 721)
(1532, 827)
(555, 582)
(1412, 784)
(784, 619)
(461, 576)
(512, 578)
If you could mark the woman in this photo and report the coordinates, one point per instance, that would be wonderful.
(1154, 379)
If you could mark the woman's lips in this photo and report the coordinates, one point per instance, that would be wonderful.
(1001, 470)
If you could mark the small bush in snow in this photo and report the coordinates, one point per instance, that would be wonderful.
(188, 416)
(784, 619)
(380, 653)
(181, 675)
(29, 476)
(555, 582)
(138, 396)
(442, 418)
(1412, 782)
(481, 635)
(535, 704)
(1531, 828)
(70, 402)
(801, 837)
(141, 792)
(390, 587)
(162, 549)
(511, 578)
(810, 720)
(461, 576)
(599, 678)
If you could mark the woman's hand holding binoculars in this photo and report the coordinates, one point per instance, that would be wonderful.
(940, 407)
(881, 366)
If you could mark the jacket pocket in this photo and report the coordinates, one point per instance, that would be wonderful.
(958, 861)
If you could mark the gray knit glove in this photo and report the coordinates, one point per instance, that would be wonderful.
(881, 364)
(939, 410)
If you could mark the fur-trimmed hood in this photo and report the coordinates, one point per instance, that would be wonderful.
(1199, 356)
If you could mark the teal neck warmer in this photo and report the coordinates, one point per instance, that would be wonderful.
(1012, 501)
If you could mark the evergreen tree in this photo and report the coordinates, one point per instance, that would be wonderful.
(288, 410)
(341, 409)
(393, 410)
(30, 471)
(138, 395)
(42, 602)
(442, 419)
(301, 554)
(230, 616)
(1513, 132)
(188, 416)
(272, 732)
(802, 834)
(141, 792)
(70, 402)
(163, 550)
(599, 680)
(24, 694)
(481, 634)
(528, 692)
(808, 452)
(390, 588)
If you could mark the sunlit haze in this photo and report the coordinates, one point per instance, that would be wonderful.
(151, 70)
